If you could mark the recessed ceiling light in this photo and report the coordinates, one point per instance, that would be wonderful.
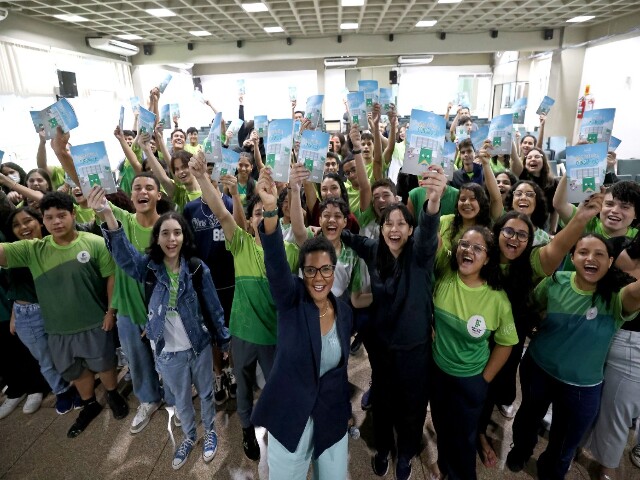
(67, 17)
(273, 29)
(581, 18)
(129, 36)
(352, 3)
(449, 1)
(348, 26)
(199, 33)
(255, 7)
(160, 12)
(426, 23)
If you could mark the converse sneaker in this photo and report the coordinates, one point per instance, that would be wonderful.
(143, 415)
(64, 402)
(90, 411)
(182, 453)
(9, 405)
(117, 404)
(33, 403)
(219, 390)
(250, 443)
(210, 446)
(634, 455)
(231, 382)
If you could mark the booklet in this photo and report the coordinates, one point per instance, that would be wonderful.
(449, 159)
(426, 142)
(235, 126)
(174, 108)
(60, 114)
(545, 106)
(313, 153)
(278, 148)
(121, 119)
(241, 89)
(370, 89)
(135, 105)
(165, 116)
(614, 143)
(358, 109)
(93, 167)
(165, 81)
(586, 166)
(462, 133)
(293, 94)
(462, 100)
(197, 94)
(479, 136)
(597, 125)
(227, 166)
(212, 145)
(519, 107)
(501, 134)
(261, 124)
(146, 121)
(297, 136)
(386, 99)
(313, 111)
(1, 155)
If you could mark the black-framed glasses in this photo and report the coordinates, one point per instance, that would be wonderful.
(326, 271)
(474, 247)
(520, 193)
(521, 235)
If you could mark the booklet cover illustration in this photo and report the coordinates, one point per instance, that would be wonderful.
(614, 143)
(212, 146)
(121, 119)
(293, 94)
(449, 159)
(386, 99)
(313, 111)
(313, 153)
(165, 116)
(146, 121)
(597, 125)
(60, 114)
(545, 106)
(165, 81)
(135, 105)
(370, 89)
(278, 148)
(241, 89)
(479, 136)
(261, 124)
(519, 107)
(93, 167)
(426, 142)
(501, 134)
(358, 109)
(227, 166)
(586, 167)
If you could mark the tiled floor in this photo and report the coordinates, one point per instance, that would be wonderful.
(36, 447)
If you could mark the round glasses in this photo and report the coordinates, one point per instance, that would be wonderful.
(509, 233)
(474, 247)
(326, 271)
(520, 193)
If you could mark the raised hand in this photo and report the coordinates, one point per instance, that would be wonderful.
(435, 182)
(97, 199)
(230, 182)
(375, 114)
(297, 176)
(118, 133)
(591, 206)
(198, 165)
(267, 190)
(354, 135)
(484, 154)
(144, 139)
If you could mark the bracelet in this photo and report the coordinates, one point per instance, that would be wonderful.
(99, 210)
(270, 213)
(356, 152)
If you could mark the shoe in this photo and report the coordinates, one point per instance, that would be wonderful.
(380, 464)
(65, 401)
(122, 358)
(548, 418)
(143, 415)
(250, 444)
(231, 382)
(33, 403)
(515, 461)
(77, 401)
(507, 411)
(86, 415)
(9, 405)
(219, 390)
(634, 455)
(117, 404)
(176, 420)
(182, 453)
(403, 469)
(355, 345)
(210, 446)
(366, 402)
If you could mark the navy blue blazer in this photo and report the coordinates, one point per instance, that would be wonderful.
(295, 391)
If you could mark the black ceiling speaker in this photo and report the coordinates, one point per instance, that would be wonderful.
(393, 77)
(548, 33)
(67, 82)
(147, 49)
(443, 35)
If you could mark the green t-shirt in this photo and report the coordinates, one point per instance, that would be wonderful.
(573, 339)
(191, 149)
(84, 215)
(70, 280)
(347, 276)
(253, 312)
(181, 196)
(465, 317)
(354, 197)
(126, 177)
(448, 202)
(368, 223)
(173, 288)
(128, 294)
(57, 177)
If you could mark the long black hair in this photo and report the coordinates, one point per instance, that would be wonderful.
(188, 249)
(545, 180)
(490, 272)
(17, 168)
(32, 212)
(540, 214)
(343, 189)
(385, 261)
(44, 175)
(484, 214)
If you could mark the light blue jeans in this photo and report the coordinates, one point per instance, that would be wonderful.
(30, 330)
(179, 371)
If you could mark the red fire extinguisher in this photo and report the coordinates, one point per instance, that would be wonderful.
(585, 102)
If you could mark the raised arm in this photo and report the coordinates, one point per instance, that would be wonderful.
(157, 169)
(560, 203)
(26, 192)
(540, 140)
(257, 156)
(426, 235)
(297, 176)
(393, 130)
(378, 168)
(361, 172)
(490, 181)
(59, 146)
(41, 156)
(516, 161)
(128, 152)
(230, 185)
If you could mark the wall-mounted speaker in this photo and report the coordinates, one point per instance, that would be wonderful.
(147, 49)
(68, 86)
(393, 77)
(548, 34)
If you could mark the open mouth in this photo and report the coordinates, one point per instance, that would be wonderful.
(394, 238)
(512, 246)
(590, 268)
(319, 288)
(26, 234)
(467, 259)
(523, 205)
(614, 218)
(332, 229)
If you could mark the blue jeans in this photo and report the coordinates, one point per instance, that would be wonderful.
(146, 385)
(30, 330)
(574, 411)
(179, 371)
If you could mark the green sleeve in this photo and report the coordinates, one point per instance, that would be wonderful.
(105, 261)
(618, 312)
(536, 265)
(293, 252)
(57, 177)
(235, 245)
(506, 334)
(355, 283)
(541, 292)
(18, 254)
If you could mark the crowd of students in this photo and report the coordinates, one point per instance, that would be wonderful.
(452, 286)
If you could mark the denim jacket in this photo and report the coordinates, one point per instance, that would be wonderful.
(136, 265)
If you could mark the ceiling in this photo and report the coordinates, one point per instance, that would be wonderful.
(226, 20)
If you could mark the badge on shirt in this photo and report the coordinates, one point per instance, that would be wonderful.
(476, 326)
(83, 256)
(592, 313)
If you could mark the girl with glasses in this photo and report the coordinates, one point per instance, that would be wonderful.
(537, 170)
(528, 198)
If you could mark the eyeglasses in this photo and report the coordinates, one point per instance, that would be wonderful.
(521, 235)
(326, 271)
(520, 193)
(348, 173)
(475, 248)
(531, 157)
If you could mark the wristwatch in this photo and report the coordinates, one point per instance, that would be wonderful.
(270, 213)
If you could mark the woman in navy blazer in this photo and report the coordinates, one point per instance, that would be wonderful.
(305, 405)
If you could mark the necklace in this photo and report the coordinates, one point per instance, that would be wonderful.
(326, 310)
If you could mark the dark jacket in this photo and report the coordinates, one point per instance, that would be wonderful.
(295, 391)
(460, 177)
(402, 309)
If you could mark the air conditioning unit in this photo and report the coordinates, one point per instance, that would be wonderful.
(113, 46)
(340, 62)
(415, 59)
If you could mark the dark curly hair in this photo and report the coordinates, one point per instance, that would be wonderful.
(484, 215)
(490, 272)
(188, 249)
(540, 214)
(316, 244)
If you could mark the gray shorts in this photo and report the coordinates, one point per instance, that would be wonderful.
(92, 349)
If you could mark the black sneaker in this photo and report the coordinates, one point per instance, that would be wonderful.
(86, 415)
(232, 387)
(355, 345)
(403, 469)
(380, 464)
(250, 444)
(516, 461)
(367, 401)
(117, 404)
(219, 388)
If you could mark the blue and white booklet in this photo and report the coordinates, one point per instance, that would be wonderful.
(519, 107)
(386, 98)
(278, 148)
(449, 159)
(135, 105)
(293, 94)
(60, 114)
(297, 136)
(227, 166)
(212, 146)
(313, 153)
(479, 136)
(93, 167)
(597, 125)
(261, 124)
(462, 133)
(165, 81)
(425, 142)
(501, 134)
(313, 110)
(358, 110)
(197, 94)
(241, 88)
(121, 119)
(174, 108)
(545, 106)
(1, 155)
(586, 166)
(370, 89)
(146, 121)
(235, 126)
(165, 116)
(614, 143)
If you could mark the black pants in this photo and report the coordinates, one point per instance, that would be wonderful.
(400, 394)
(456, 405)
(18, 368)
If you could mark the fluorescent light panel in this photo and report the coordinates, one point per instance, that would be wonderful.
(129, 36)
(273, 29)
(160, 12)
(255, 7)
(348, 26)
(426, 23)
(449, 1)
(68, 17)
(352, 3)
(199, 33)
(581, 18)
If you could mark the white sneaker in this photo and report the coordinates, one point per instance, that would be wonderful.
(9, 405)
(548, 418)
(507, 411)
(32, 405)
(143, 415)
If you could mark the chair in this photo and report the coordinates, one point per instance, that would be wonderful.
(559, 146)
(553, 167)
(625, 178)
(628, 167)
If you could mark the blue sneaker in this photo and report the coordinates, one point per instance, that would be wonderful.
(182, 453)
(64, 403)
(403, 469)
(210, 446)
(366, 402)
